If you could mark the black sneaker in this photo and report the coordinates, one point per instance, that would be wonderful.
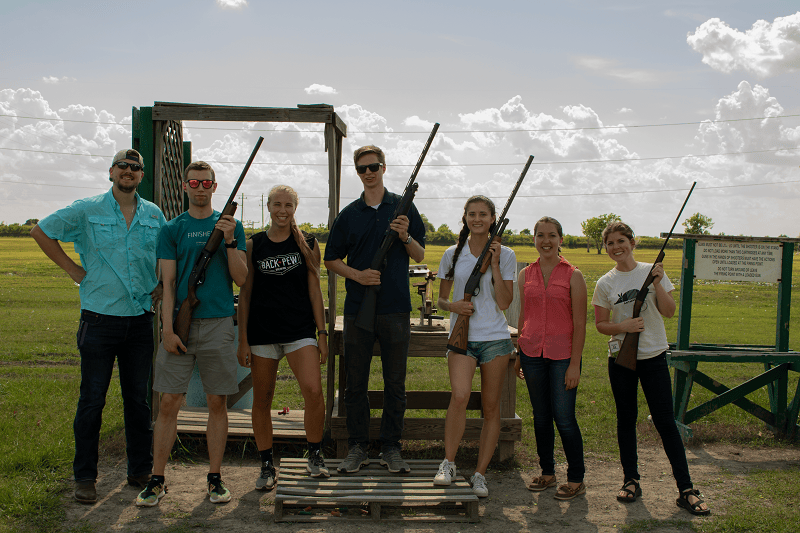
(152, 493)
(267, 478)
(316, 466)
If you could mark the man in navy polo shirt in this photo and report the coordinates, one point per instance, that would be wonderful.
(115, 235)
(356, 235)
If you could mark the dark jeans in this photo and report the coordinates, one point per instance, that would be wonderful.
(551, 402)
(129, 340)
(392, 332)
(654, 376)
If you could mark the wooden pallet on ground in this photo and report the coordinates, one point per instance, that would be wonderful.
(193, 420)
(373, 493)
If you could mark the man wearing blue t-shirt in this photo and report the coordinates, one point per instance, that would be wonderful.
(211, 336)
(356, 235)
(115, 236)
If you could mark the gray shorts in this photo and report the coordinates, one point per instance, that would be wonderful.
(278, 350)
(212, 344)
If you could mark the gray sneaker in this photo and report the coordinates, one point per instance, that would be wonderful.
(356, 458)
(267, 478)
(316, 466)
(478, 483)
(391, 459)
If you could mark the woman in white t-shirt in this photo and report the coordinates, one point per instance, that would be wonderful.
(489, 342)
(613, 301)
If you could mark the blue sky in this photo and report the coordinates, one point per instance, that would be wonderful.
(500, 67)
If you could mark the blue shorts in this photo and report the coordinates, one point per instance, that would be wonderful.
(485, 351)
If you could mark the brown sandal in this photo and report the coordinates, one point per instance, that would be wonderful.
(541, 483)
(565, 492)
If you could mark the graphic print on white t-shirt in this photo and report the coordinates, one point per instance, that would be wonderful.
(279, 265)
(630, 296)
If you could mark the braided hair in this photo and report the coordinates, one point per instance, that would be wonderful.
(299, 236)
(464, 233)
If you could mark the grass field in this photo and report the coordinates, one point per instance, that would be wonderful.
(39, 376)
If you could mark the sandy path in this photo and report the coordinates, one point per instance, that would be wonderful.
(510, 506)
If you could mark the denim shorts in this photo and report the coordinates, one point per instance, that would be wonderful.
(485, 351)
(279, 350)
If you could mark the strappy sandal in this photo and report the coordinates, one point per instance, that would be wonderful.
(540, 483)
(694, 508)
(630, 495)
(565, 492)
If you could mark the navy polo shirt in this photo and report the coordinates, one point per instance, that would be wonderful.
(356, 235)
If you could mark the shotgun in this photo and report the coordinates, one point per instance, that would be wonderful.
(626, 357)
(458, 339)
(365, 319)
(184, 319)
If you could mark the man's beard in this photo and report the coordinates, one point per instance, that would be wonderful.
(123, 187)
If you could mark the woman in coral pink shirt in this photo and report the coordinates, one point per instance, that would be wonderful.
(552, 331)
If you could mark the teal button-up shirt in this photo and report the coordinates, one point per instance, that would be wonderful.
(120, 262)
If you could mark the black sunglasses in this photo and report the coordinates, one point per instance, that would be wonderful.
(372, 168)
(207, 184)
(136, 167)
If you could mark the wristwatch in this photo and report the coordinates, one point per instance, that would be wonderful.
(408, 241)
(322, 332)
(233, 244)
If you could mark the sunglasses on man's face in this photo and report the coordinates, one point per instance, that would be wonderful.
(136, 167)
(207, 184)
(372, 168)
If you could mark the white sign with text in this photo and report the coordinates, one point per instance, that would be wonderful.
(738, 261)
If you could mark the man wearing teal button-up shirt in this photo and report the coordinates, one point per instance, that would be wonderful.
(115, 235)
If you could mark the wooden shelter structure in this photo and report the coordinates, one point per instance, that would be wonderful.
(158, 136)
(737, 258)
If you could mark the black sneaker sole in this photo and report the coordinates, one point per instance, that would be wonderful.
(363, 464)
(400, 470)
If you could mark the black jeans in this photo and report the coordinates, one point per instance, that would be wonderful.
(101, 340)
(654, 376)
(392, 332)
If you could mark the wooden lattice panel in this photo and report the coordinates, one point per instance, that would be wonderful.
(169, 150)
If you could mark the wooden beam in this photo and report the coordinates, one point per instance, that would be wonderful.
(172, 111)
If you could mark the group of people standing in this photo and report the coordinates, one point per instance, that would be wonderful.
(119, 235)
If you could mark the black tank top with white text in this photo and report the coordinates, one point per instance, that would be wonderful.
(280, 306)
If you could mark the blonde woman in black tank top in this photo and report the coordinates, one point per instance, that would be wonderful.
(281, 311)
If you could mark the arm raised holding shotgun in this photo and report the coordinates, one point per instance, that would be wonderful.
(630, 344)
(460, 332)
(365, 319)
(197, 276)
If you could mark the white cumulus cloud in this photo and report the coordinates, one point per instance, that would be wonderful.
(766, 49)
(231, 4)
(53, 80)
(316, 88)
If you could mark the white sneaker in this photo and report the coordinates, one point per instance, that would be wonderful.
(478, 483)
(444, 476)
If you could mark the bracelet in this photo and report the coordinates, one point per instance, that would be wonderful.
(322, 332)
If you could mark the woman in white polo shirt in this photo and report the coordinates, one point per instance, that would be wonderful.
(489, 342)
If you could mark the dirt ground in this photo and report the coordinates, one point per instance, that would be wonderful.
(715, 469)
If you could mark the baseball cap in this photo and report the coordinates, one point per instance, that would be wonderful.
(129, 153)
